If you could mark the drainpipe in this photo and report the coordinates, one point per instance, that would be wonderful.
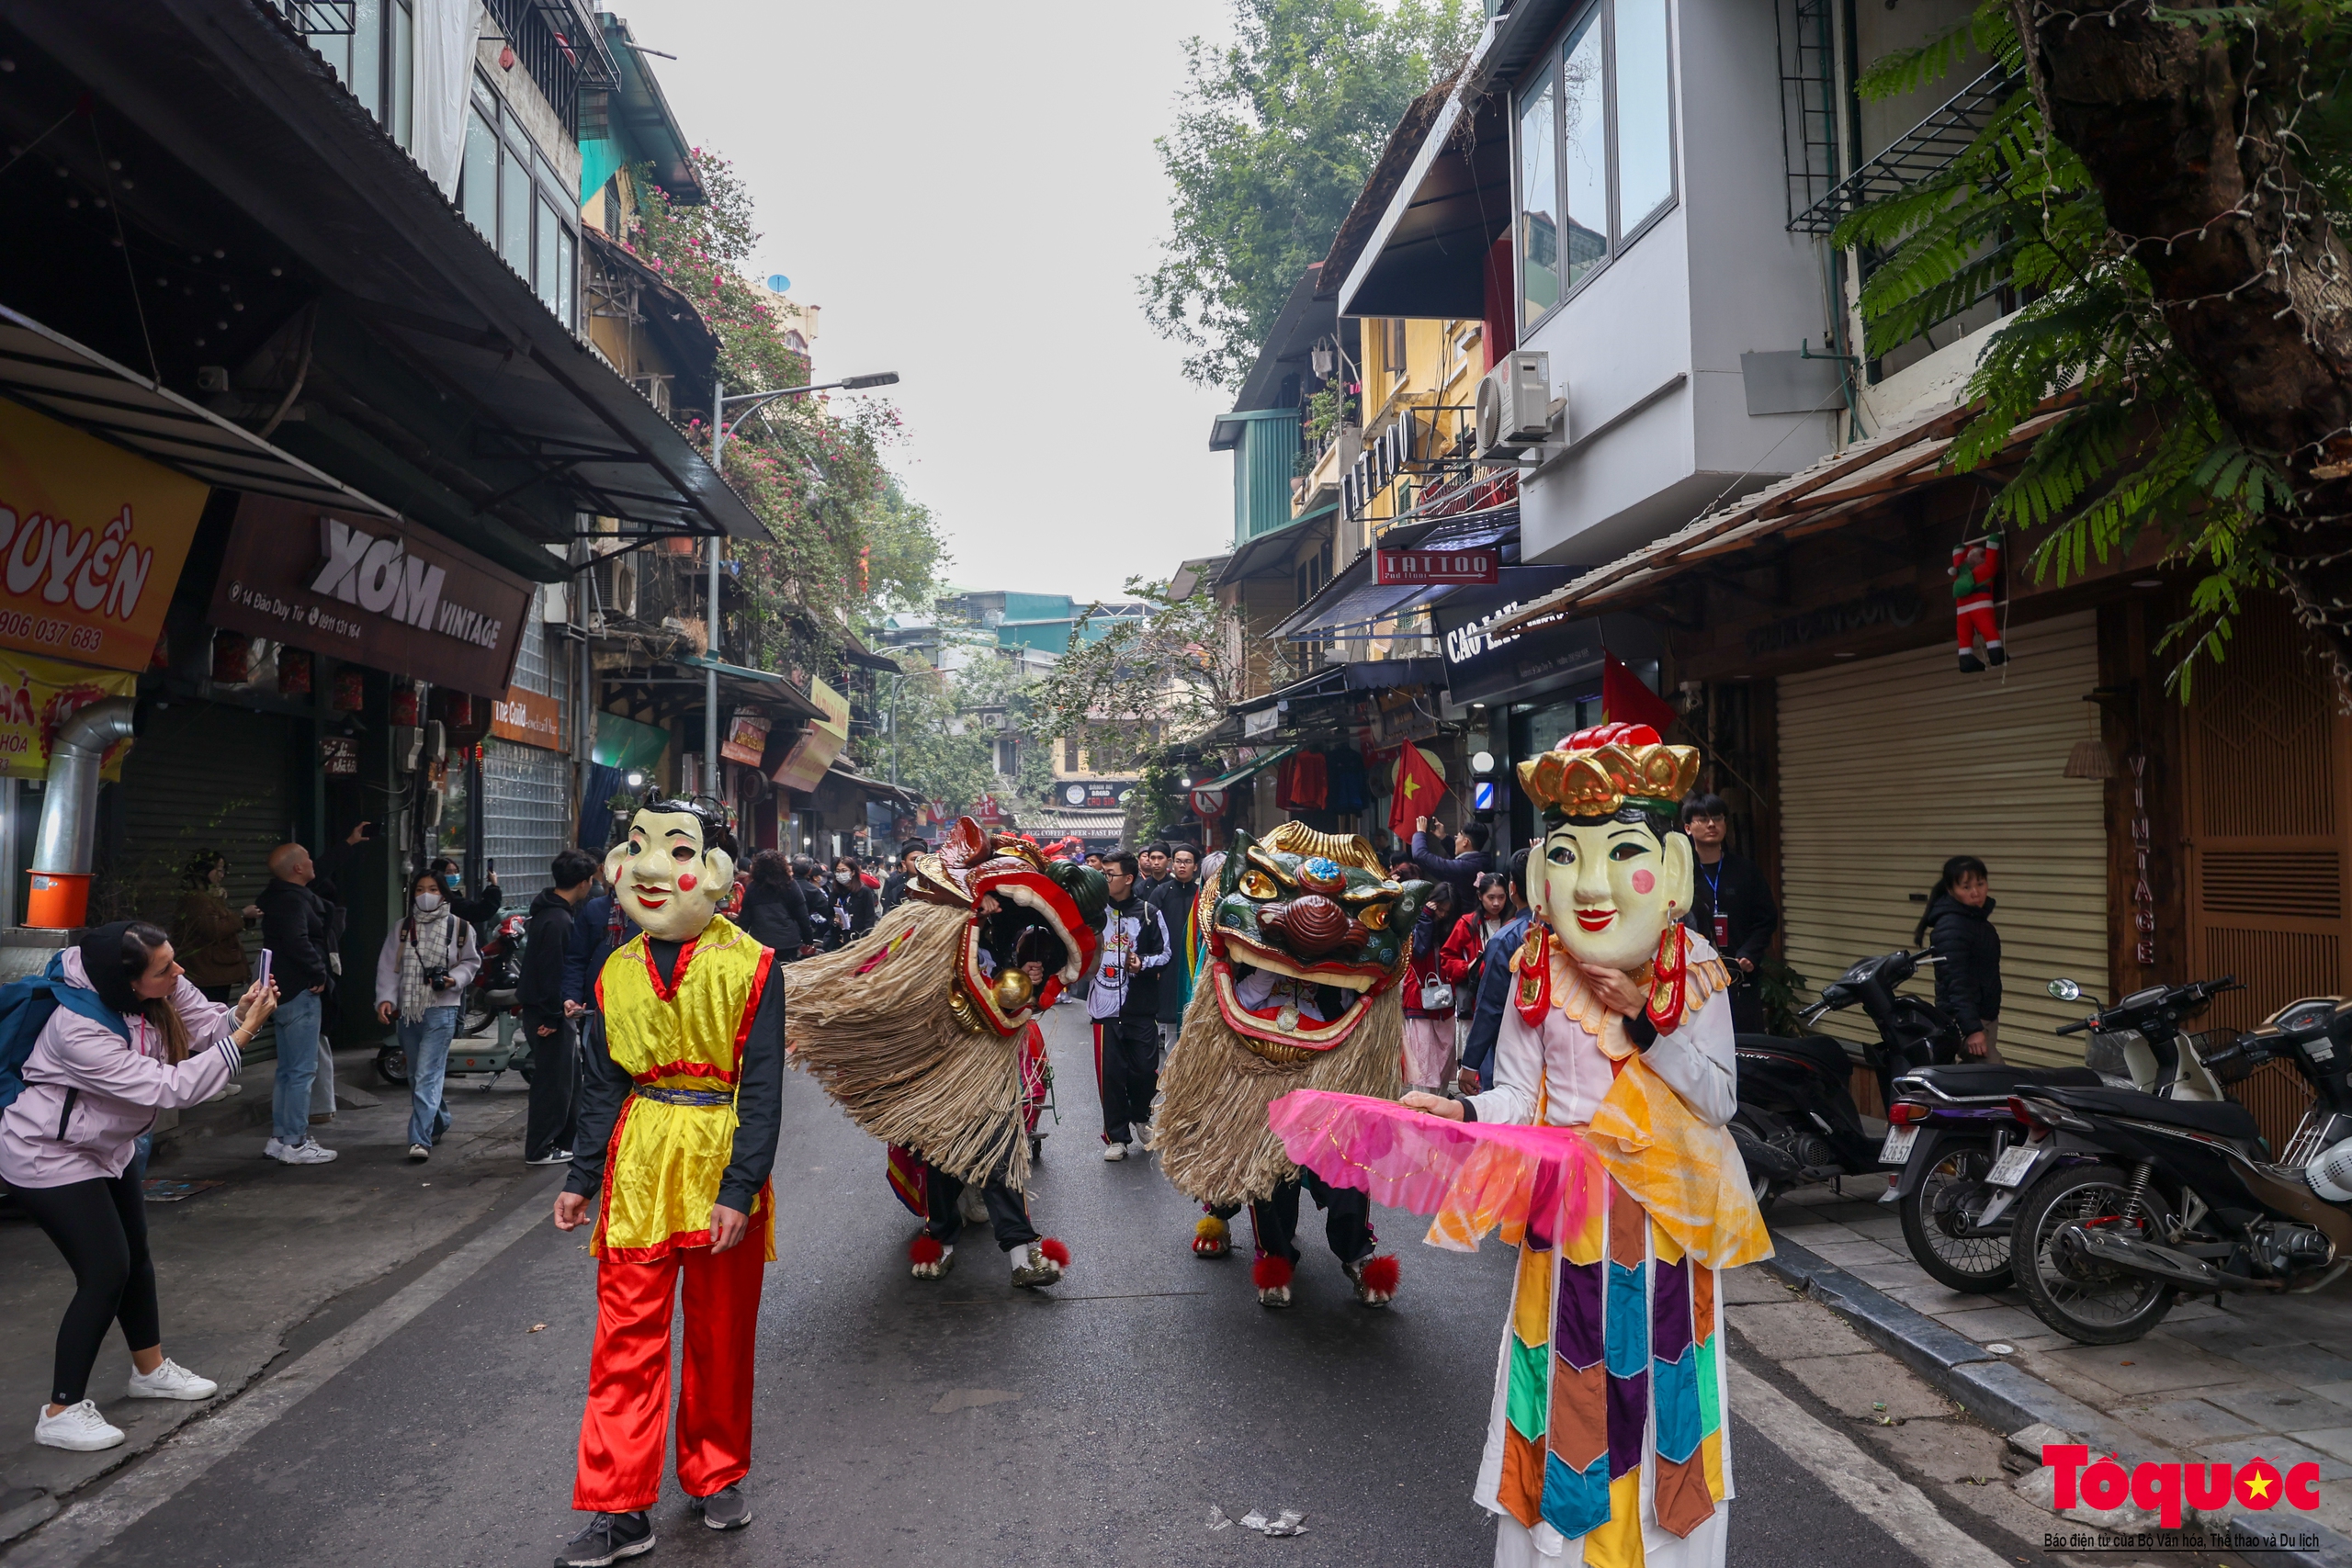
(67, 838)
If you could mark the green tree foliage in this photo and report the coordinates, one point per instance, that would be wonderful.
(2140, 444)
(1274, 137)
(849, 543)
(944, 738)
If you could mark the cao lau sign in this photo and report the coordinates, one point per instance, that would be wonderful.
(1411, 569)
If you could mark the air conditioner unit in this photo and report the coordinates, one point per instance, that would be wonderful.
(1515, 404)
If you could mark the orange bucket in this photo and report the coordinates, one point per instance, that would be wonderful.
(59, 900)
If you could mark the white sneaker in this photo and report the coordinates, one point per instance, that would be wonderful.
(274, 1149)
(310, 1151)
(77, 1426)
(1115, 1151)
(420, 1151)
(553, 1156)
(171, 1381)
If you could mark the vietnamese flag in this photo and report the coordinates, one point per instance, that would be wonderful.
(1625, 700)
(1419, 790)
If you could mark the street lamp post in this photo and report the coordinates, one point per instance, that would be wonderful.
(750, 403)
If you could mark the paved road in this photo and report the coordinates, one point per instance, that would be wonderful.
(949, 1423)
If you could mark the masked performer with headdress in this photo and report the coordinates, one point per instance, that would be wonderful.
(678, 1120)
(920, 1029)
(1608, 1441)
(1306, 941)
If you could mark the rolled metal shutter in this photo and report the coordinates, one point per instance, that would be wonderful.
(527, 815)
(201, 777)
(1890, 766)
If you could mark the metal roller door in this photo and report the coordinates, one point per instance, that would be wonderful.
(1889, 766)
(201, 777)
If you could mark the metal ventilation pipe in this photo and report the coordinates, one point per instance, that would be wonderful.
(67, 838)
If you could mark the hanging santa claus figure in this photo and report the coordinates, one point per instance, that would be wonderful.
(1976, 578)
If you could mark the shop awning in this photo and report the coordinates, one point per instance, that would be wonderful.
(1352, 601)
(1841, 488)
(879, 788)
(50, 374)
(1276, 553)
(1256, 765)
(1416, 241)
(765, 686)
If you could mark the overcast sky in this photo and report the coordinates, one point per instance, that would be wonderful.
(970, 192)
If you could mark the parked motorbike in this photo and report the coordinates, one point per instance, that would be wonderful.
(1950, 1125)
(491, 994)
(2137, 1198)
(1797, 1121)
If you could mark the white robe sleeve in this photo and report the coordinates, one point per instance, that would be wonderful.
(1697, 1061)
(1518, 1072)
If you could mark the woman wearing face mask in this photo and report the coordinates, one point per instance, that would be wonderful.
(428, 961)
(852, 899)
(130, 1036)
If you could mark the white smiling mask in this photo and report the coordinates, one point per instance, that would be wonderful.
(667, 880)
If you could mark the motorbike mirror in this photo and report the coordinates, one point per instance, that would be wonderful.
(2066, 990)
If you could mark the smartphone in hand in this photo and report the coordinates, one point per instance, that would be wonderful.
(263, 978)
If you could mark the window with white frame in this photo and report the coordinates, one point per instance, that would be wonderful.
(510, 192)
(372, 46)
(1595, 149)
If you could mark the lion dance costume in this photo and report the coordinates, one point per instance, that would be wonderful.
(680, 1112)
(1601, 1152)
(1305, 940)
(925, 1030)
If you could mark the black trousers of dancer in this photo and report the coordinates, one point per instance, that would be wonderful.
(101, 1228)
(1126, 1068)
(1008, 1210)
(1347, 1223)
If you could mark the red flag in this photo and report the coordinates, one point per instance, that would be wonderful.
(1419, 790)
(1624, 700)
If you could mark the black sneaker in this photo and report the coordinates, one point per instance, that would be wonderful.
(608, 1538)
(725, 1509)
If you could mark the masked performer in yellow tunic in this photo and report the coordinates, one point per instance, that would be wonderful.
(678, 1122)
(1608, 1442)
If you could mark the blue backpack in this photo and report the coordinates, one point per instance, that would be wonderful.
(25, 1009)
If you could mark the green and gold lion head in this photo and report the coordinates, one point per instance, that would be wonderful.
(1310, 907)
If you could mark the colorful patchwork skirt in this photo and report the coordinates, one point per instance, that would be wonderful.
(1609, 1444)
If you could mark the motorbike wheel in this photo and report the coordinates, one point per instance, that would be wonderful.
(474, 1020)
(391, 1068)
(2093, 1303)
(1951, 1193)
(1767, 1192)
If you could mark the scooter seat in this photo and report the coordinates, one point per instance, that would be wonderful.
(1985, 1080)
(2221, 1118)
(1819, 1052)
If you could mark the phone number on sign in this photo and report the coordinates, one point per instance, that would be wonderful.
(50, 633)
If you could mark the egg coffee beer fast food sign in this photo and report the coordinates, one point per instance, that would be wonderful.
(386, 595)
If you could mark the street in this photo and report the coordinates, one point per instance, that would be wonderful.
(962, 1422)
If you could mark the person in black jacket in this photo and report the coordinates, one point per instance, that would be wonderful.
(1968, 953)
(894, 886)
(1173, 898)
(547, 1130)
(1123, 1000)
(479, 908)
(821, 925)
(774, 911)
(1462, 869)
(1733, 908)
(295, 928)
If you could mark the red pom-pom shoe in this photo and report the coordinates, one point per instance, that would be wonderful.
(1271, 1275)
(1375, 1279)
(931, 1260)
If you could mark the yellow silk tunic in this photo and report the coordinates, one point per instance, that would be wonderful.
(665, 1162)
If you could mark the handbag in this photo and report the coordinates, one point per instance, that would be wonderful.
(1436, 996)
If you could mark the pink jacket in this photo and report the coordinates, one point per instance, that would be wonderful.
(89, 1093)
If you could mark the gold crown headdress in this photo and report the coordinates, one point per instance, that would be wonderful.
(1594, 773)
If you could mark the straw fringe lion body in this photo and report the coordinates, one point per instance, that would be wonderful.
(1209, 1127)
(887, 1046)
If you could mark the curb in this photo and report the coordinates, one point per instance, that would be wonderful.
(2004, 1394)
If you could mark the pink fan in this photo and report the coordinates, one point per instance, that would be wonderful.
(1470, 1178)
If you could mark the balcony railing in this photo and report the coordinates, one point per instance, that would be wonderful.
(1927, 148)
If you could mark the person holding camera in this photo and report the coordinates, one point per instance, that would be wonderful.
(428, 961)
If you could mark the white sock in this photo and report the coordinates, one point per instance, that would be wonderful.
(1018, 1256)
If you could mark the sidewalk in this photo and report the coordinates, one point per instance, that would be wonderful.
(241, 1265)
(2253, 1375)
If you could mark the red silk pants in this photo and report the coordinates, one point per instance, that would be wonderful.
(625, 1426)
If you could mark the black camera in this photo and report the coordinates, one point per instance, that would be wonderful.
(437, 979)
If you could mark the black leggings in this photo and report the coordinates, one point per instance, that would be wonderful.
(101, 1228)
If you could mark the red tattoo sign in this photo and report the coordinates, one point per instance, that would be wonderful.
(1414, 567)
